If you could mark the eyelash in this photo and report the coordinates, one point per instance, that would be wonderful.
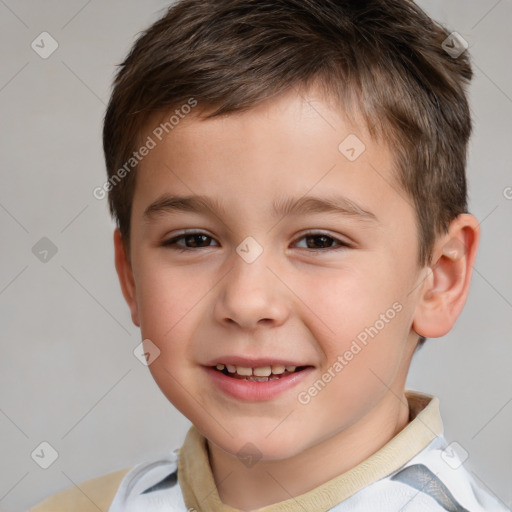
(171, 243)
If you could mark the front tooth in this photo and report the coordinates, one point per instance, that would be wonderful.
(242, 370)
(220, 367)
(262, 371)
(291, 368)
(277, 369)
(231, 368)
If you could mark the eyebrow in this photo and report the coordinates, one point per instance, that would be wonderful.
(167, 204)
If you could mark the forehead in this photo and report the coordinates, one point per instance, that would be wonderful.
(293, 146)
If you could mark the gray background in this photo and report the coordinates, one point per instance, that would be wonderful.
(68, 375)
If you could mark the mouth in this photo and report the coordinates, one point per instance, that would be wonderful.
(256, 380)
(260, 373)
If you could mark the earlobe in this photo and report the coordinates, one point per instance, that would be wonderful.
(445, 290)
(125, 275)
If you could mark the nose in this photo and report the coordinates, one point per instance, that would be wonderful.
(251, 296)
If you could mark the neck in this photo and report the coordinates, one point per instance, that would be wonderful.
(269, 482)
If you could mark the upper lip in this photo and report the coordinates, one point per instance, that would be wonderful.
(253, 363)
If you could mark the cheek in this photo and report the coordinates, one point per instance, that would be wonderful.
(169, 301)
(167, 298)
(345, 301)
(360, 317)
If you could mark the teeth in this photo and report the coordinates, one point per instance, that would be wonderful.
(263, 371)
(258, 379)
(260, 371)
(242, 370)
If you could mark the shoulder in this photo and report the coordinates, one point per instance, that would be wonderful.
(148, 484)
(434, 480)
(151, 485)
(91, 495)
(437, 479)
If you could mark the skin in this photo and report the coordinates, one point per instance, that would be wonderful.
(292, 301)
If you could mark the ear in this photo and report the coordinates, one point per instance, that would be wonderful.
(444, 291)
(125, 274)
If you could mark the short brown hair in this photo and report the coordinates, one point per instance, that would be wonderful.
(384, 57)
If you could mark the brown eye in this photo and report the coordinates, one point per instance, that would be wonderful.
(189, 241)
(196, 240)
(321, 241)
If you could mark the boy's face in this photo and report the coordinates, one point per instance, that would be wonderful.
(323, 278)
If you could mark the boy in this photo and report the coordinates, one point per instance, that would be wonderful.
(288, 179)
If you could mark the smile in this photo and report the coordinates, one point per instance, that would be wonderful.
(255, 380)
(257, 374)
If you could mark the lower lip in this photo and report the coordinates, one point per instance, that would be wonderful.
(252, 391)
